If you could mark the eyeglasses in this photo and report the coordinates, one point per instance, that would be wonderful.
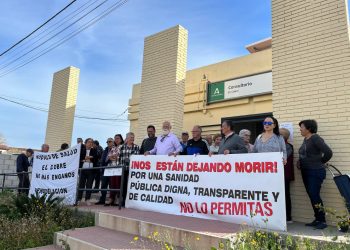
(163, 138)
(267, 123)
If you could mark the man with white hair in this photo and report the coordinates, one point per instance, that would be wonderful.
(167, 143)
(245, 135)
(125, 151)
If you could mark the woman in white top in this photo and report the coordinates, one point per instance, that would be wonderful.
(215, 147)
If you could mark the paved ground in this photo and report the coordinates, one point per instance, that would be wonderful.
(215, 228)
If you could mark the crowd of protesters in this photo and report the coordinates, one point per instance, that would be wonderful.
(313, 154)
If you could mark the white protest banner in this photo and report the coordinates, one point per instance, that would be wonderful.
(56, 172)
(240, 188)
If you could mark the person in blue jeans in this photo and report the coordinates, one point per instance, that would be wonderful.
(313, 154)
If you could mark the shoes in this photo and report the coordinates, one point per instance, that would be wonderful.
(321, 225)
(114, 204)
(99, 203)
(107, 204)
(312, 224)
(88, 203)
(289, 221)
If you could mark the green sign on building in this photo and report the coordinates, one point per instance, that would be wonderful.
(216, 92)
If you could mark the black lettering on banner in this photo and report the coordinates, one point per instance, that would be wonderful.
(182, 177)
(133, 196)
(45, 177)
(275, 195)
(156, 198)
(138, 175)
(231, 193)
(37, 176)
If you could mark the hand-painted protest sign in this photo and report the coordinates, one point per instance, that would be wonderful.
(56, 172)
(244, 188)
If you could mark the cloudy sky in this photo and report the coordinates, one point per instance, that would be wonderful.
(109, 55)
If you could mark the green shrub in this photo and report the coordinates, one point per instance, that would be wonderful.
(27, 222)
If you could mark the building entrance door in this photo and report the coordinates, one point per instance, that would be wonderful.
(250, 122)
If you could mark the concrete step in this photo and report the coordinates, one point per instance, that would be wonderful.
(98, 238)
(180, 231)
(49, 247)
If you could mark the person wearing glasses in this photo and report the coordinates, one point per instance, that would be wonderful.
(231, 143)
(105, 179)
(167, 143)
(270, 140)
(196, 145)
(313, 154)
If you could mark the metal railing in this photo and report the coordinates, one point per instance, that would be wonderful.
(117, 190)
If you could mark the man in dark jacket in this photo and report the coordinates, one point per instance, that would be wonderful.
(231, 143)
(105, 179)
(148, 143)
(196, 145)
(97, 174)
(22, 170)
(88, 159)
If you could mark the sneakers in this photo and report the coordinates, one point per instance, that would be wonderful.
(317, 224)
(289, 221)
(321, 225)
(312, 224)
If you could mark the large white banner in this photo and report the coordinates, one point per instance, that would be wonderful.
(244, 188)
(56, 172)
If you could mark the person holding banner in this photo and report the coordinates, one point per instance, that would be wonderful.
(313, 154)
(215, 147)
(167, 143)
(270, 140)
(196, 145)
(231, 143)
(125, 151)
(88, 160)
(22, 165)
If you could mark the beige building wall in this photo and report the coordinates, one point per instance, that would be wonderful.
(311, 72)
(163, 82)
(196, 111)
(62, 107)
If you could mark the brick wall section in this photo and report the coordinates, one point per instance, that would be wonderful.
(8, 165)
(163, 81)
(311, 71)
(62, 107)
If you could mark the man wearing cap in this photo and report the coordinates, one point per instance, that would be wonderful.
(22, 165)
(167, 143)
(184, 140)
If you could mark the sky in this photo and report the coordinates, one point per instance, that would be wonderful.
(109, 55)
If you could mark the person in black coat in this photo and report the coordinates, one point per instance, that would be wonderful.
(22, 165)
(88, 160)
(105, 179)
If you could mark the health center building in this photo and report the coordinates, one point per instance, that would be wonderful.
(302, 72)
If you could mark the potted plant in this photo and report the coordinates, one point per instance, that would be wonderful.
(343, 223)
